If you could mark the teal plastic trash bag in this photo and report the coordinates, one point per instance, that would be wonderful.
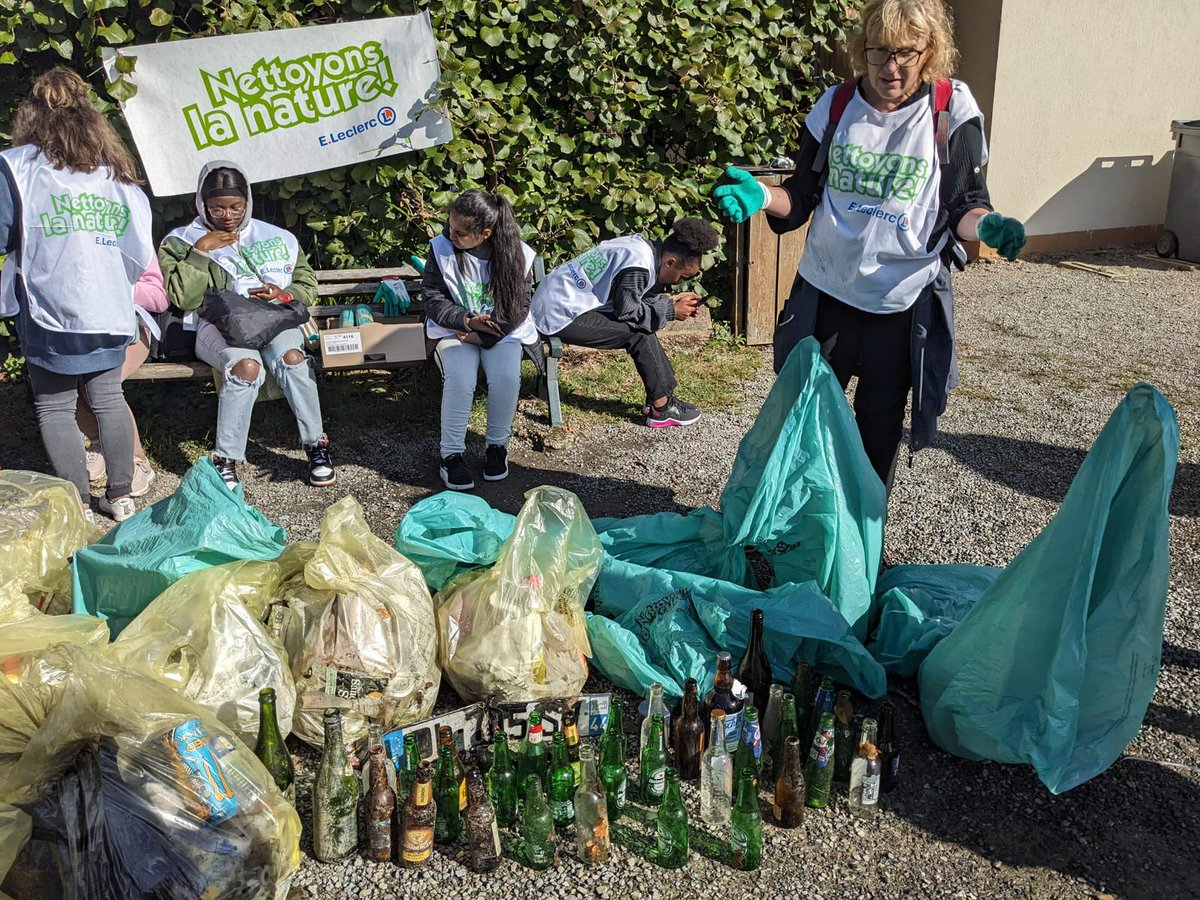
(682, 620)
(920, 605)
(802, 493)
(450, 533)
(619, 656)
(202, 524)
(1055, 664)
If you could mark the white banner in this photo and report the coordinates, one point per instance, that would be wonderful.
(283, 103)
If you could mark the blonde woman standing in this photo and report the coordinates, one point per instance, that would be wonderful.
(889, 171)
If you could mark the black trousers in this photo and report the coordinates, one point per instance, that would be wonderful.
(602, 332)
(876, 348)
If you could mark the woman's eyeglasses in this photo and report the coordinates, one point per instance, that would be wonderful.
(906, 57)
(226, 212)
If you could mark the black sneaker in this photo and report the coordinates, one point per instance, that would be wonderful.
(320, 465)
(675, 412)
(495, 468)
(227, 469)
(454, 473)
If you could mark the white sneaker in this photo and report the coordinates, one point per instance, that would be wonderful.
(143, 477)
(118, 510)
(95, 465)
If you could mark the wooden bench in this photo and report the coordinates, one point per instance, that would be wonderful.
(355, 287)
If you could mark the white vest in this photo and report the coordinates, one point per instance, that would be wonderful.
(868, 236)
(468, 288)
(85, 242)
(584, 283)
(262, 254)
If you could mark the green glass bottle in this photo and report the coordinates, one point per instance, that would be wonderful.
(407, 776)
(818, 775)
(745, 827)
(270, 748)
(749, 748)
(802, 690)
(822, 703)
(672, 826)
(788, 727)
(537, 827)
(562, 783)
(533, 757)
(612, 763)
(335, 797)
(502, 781)
(448, 825)
(652, 778)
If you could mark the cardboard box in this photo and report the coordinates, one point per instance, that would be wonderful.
(385, 341)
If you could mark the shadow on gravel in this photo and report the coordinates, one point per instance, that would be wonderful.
(1129, 831)
(1176, 721)
(1174, 655)
(1045, 470)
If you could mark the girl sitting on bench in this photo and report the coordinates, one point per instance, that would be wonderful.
(476, 285)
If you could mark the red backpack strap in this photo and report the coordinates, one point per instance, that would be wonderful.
(841, 99)
(943, 90)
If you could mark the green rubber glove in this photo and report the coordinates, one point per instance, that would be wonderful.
(1003, 234)
(417, 262)
(740, 199)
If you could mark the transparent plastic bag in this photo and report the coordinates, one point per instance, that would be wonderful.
(370, 635)
(15, 830)
(163, 797)
(204, 637)
(517, 631)
(41, 526)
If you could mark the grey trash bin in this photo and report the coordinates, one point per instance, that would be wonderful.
(1181, 232)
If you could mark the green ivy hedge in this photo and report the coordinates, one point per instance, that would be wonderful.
(595, 117)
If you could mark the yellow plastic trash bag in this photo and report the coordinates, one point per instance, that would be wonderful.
(41, 525)
(370, 636)
(15, 830)
(165, 799)
(517, 631)
(204, 637)
(24, 701)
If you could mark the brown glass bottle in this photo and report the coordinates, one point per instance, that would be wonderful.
(754, 671)
(689, 734)
(380, 805)
(788, 806)
(721, 697)
(420, 813)
(483, 835)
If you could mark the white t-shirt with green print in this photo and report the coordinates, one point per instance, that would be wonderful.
(868, 239)
(468, 287)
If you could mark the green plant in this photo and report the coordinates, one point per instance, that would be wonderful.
(595, 117)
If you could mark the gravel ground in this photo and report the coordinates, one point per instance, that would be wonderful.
(1046, 354)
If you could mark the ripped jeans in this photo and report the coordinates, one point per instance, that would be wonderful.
(236, 402)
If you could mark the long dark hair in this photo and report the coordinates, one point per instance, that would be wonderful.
(507, 282)
(58, 118)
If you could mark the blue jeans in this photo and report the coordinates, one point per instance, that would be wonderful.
(459, 364)
(236, 402)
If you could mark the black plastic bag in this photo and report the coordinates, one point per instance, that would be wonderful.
(248, 323)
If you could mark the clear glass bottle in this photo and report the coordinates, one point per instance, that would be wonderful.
(716, 775)
(335, 797)
(867, 741)
(591, 812)
(654, 706)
